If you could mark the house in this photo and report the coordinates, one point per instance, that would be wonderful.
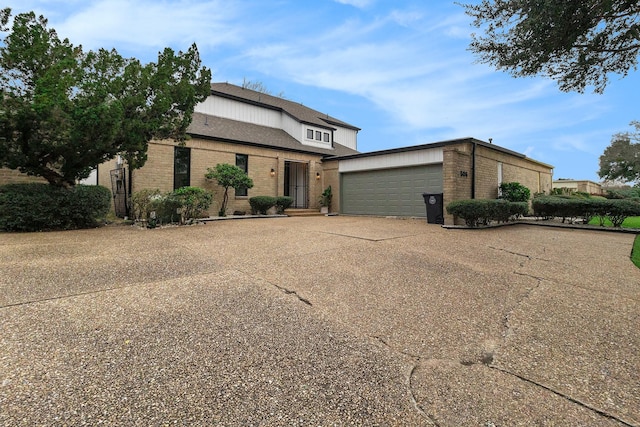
(279, 143)
(581, 185)
(289, 149)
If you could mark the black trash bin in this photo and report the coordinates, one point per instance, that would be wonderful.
(435, 213)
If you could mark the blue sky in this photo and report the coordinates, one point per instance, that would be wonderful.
(398, 69)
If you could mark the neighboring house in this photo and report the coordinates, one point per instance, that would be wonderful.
(582, 185)
(292, 150)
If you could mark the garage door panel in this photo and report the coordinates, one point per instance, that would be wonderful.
(390, 191)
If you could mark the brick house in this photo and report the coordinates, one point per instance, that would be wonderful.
(279, 143)
(292, 150)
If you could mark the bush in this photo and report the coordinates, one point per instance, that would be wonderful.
(282, 203)
(193, 201)
(142, 202)
(616, 210)
(514, 192)
(39, 207)
(261, 204)
(481, 212)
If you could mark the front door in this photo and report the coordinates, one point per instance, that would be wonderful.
(296, 183)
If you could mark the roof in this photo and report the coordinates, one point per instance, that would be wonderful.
(441, 144)
(294, 109)
(227, 130)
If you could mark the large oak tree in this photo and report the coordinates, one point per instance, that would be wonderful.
(621, 159)
(577, 43)
(63, 111)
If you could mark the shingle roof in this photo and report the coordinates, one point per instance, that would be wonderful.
(294, 109)
(227, 130)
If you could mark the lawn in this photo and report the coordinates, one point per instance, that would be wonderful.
(631, 222)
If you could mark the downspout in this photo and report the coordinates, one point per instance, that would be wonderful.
(473, 170)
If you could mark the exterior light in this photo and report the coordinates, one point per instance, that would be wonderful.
(318, 175)
(273, 172)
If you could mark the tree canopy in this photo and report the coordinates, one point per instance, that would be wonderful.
(621, 159)
(63, 111)
(577, 43)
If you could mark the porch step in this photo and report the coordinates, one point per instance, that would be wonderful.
(303, 212)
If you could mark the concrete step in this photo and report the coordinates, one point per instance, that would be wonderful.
(303, 212)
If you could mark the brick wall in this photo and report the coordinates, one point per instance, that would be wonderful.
(12, 176)
(158, 171)
(331, 177)
(458, 159)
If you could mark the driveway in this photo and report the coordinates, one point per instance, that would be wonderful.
(319, 321)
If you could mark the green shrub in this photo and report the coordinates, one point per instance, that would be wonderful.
(616, 210)
(619, 210)
(142, 202)
(477, 212)
(514, 192)
(627, 193)
(261, 204)
(282, 203)
(193, 201)
(38, 207)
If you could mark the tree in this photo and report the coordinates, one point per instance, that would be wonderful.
(63, 111)
(577, 43)
(621, 159)
(258, 86)
(228, 176)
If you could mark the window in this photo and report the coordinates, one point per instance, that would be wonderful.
(309, 133)
(318, 135)
(326, 137)
(181, 167)
(242, 161)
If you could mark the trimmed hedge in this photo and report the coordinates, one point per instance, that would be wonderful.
(477, 212)
(261, 204)
(616, 210)
(282, 203)
(40, 207)
(514, 192)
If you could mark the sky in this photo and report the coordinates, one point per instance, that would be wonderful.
(400, 70)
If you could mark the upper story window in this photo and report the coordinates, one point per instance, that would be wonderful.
(309, 133)
(242, 161)
(318, 135)
(326, 137)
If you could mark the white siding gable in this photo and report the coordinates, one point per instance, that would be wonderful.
(392, 160)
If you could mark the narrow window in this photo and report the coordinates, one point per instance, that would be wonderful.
(181, 167)
(326, 137)
(309, 133)
(318, 135)
(242, 161)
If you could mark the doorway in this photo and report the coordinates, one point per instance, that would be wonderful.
(296, 183)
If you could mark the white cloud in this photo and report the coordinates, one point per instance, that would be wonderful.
(150, 24)
(356, 3)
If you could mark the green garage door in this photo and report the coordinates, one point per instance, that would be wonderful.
(390, 192)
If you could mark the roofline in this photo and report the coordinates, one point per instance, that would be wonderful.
(256, 144)
(438, 145)
(280, 109)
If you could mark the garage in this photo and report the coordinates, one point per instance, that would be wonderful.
(389, 192)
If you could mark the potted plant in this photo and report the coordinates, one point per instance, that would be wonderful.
(325, 200)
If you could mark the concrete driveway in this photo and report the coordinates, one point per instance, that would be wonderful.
(319, 321)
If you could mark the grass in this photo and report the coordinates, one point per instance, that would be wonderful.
(631, 222)
(635, 252)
